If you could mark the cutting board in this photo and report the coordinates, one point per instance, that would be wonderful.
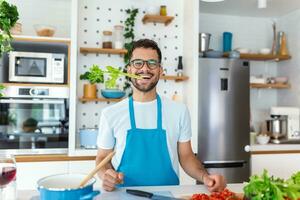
(125, 196)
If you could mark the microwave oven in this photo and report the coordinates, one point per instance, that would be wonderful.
(33, 67)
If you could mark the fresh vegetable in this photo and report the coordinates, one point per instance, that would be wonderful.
(224, 195)
(267, 187)
(8, 17)
(96, 75)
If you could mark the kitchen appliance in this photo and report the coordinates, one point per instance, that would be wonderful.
(223, 117)
(34, 118)
(204, 41)
(29, 67)
(65, 187)
(88, 138)
(291, 129)
(277, 127)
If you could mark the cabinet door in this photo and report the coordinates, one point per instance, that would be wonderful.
(279, 165)
(28, 173)
(185, 179)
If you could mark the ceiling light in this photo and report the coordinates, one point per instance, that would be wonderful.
(212, 1)
(261, 3)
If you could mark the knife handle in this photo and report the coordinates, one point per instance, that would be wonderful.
(140, 193)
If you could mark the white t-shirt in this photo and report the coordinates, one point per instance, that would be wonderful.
(115, 121)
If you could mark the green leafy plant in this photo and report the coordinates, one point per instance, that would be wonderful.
(129, 31)
(96, 75)
(129, 38)
(267, 187)
(2, 87)
(8, 17)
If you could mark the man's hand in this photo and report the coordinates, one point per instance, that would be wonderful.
(214, 182)
(110, 179)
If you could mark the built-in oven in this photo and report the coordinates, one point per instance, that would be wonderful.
(35, 121)
(35, 67)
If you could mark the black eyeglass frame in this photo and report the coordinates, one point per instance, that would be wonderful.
(157, 65)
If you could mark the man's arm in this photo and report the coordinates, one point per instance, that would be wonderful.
(193, 167)
(107, 173)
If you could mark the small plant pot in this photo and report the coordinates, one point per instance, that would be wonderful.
(90, 91)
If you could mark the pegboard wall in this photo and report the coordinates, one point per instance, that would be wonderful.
(95, 16)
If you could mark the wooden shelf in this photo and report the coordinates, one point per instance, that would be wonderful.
(41, 39)
(100, 99)
(175, 78)
(270, 86)
(35, 84)
(157, 19)
(103, 51)
(261, 57)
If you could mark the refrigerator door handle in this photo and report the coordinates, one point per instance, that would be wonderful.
(224, 164)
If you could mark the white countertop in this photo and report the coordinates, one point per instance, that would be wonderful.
(176, 191)
(275, 147)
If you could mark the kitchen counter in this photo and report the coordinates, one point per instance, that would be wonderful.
(274, 148)
(177, 191)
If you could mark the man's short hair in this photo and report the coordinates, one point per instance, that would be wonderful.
(147, 44)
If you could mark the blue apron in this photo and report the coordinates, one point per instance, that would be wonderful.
(146, 160)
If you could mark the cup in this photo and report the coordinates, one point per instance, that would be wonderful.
(227, 41)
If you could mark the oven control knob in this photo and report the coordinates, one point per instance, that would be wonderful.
(33, 92)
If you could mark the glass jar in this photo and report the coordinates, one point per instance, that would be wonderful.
(118, 37)
(163, 10)
(107, 40)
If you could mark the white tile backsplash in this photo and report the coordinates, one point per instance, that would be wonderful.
(290, 24)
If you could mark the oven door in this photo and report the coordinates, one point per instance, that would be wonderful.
(34, 124)
(30, 67)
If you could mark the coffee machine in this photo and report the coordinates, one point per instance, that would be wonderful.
(288, 122)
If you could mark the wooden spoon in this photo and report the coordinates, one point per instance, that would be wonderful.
(97, 168)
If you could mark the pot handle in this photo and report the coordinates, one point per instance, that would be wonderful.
(90, 195)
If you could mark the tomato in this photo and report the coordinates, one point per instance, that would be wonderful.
(224, 195)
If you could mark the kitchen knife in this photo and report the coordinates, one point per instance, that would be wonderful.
(150, 195)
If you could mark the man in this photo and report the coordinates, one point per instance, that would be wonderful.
(150, 134)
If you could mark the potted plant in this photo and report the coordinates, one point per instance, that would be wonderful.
(94, 76)
(8, 17)
(112, 90)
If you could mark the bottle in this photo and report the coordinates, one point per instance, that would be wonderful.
(163, 10)
(282, 42)
(227, 41)
(179, 66)
(118, 37)
(107, 40)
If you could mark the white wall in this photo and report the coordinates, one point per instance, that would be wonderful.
(290, 24)
(56, 13)
(252, 33)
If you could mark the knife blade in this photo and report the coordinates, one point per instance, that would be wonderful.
(150, 195)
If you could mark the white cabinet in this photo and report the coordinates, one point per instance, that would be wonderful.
(279, 165)
(185, 179)
(28, 173)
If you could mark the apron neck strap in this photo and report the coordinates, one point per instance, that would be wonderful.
(159, 113)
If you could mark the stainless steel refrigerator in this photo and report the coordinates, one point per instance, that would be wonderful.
(224, 112)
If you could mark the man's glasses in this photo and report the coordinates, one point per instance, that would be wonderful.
(139, 63)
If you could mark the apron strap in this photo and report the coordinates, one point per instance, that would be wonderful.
(159, 113)
(131, 113)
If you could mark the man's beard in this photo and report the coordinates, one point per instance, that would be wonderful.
(142, 88)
